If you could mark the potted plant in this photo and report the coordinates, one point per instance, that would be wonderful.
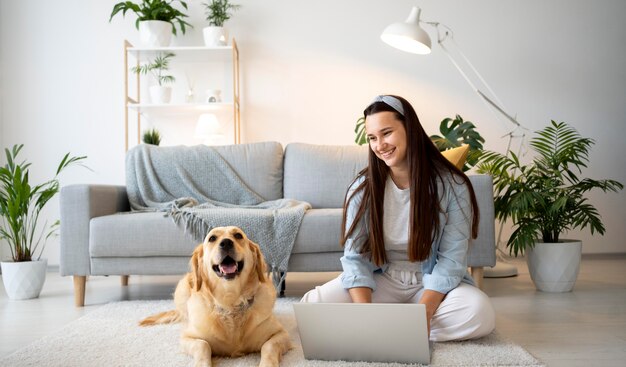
(152, 136)
(456, 132)
(217, 12)
(546, 198)
(20, 206)
(160, 93)
(156, 20)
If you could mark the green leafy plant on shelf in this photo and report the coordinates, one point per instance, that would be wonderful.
(454, 133)
(219, 11)
(154, 10)
(156, 68)
(152, 136)
(546, 197)
(21, 203)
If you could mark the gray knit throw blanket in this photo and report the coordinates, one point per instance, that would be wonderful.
(199, 190)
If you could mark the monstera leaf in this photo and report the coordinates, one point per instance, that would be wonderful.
(456, 133)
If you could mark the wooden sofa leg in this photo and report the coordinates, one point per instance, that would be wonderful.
(124, 280)
(477, 274)
(79, 290)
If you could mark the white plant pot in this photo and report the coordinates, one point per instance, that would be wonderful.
(554, 267)
(215, 36)
(24, 280)
(160, 95)
(155, 33)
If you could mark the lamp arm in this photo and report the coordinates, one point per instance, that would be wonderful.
(498, 108)
(447, 33)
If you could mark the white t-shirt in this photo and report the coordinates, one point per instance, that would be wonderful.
(396, 221)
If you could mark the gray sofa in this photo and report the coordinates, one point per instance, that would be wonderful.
(100, 236)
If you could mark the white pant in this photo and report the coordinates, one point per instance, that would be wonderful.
(465, 312)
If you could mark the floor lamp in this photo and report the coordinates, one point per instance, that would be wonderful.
(409, 36)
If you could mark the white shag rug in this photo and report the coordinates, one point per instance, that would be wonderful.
(109, 336)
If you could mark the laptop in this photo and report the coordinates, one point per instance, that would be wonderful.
(373, 332)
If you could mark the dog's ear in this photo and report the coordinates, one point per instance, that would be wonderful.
(259, 261)
(196, 267)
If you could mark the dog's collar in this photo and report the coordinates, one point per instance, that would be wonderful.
(238, 309)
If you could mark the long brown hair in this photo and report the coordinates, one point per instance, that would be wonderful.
(427, 167)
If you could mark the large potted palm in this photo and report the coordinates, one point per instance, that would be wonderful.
(546, 198)
(20, 206)
(156, 20)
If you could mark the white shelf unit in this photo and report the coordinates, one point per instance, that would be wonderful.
(134, 104)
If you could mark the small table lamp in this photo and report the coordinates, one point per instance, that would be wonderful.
(208, 129)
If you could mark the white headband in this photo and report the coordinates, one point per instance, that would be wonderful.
(390, 101)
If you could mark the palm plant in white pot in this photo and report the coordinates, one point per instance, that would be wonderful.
(545, 199)
(217, 13)
(20, 206)
(160, 93)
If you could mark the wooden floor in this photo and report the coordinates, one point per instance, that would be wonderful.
(586, 327)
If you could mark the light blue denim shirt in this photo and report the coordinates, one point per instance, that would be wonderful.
(446, 266)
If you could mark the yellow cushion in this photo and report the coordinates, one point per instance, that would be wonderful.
(457, 156)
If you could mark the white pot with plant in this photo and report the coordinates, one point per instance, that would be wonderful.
(20, 206)
(217, 12)
(156, 20)
(546, 198)
(160, 93)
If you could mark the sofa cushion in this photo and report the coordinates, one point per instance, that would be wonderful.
(321, 174)
(259, 165)
(319, 231)
(153, 234)
(137, 235)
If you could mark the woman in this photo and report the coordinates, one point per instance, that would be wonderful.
(407, 221)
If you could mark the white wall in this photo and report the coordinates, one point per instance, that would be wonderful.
(308, 70)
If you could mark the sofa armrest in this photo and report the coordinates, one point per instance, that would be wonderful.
(482, 250)
(80, 203)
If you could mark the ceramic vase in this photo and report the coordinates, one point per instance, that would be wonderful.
(554, 267)
(160, 94)
(215, 36)
(155, 33)
(24, 280)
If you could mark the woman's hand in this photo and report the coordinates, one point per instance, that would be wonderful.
(431, 299)
(361, 294)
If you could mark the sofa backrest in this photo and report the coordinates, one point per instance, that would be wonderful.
(321, 174)
(259, 165)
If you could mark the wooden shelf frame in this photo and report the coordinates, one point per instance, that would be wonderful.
(196, 53)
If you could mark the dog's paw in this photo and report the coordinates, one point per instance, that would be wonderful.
(202, 363)
(266, 362)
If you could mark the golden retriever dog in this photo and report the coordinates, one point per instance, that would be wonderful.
(226, 302)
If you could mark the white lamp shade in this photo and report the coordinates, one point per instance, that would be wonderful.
(207, 126)
(408, 35)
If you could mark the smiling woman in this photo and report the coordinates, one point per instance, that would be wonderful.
(407, 221)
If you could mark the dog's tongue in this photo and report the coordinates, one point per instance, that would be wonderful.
(228, 268)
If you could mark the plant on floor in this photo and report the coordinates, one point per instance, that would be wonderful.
(152, 136)
(219, 11)
(21, 203)
(157, 67)
(546, 197)
(154, 10)
(456, 132)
